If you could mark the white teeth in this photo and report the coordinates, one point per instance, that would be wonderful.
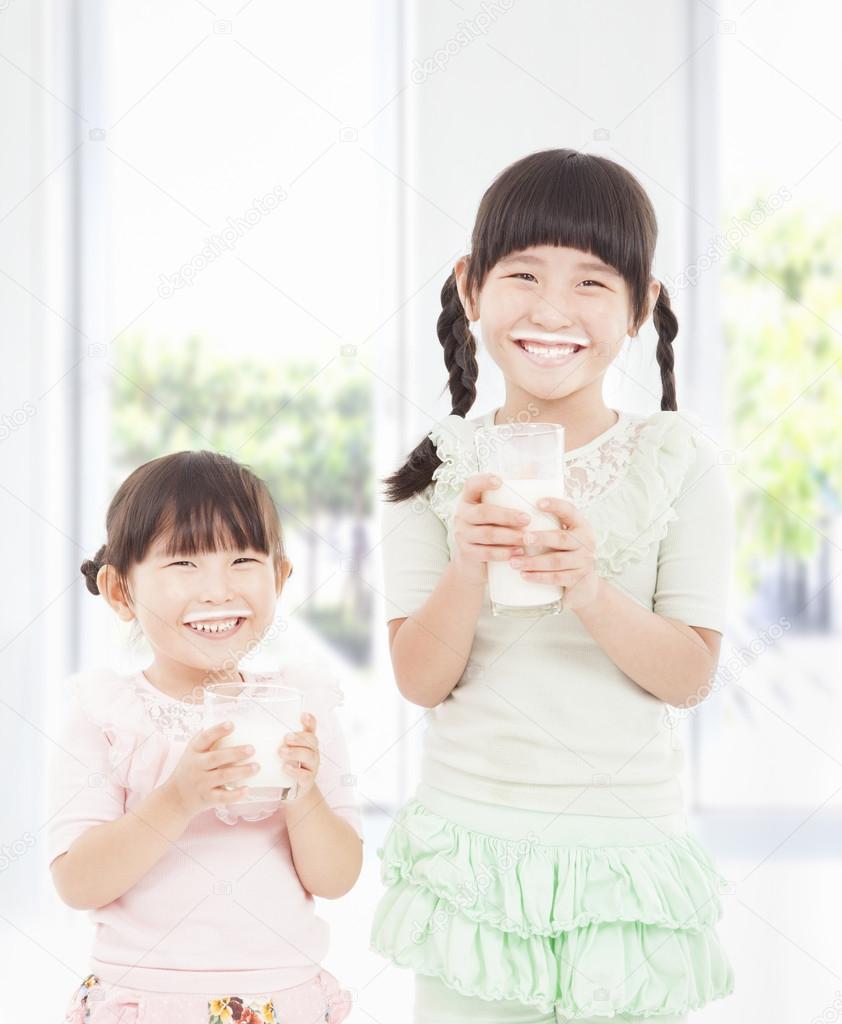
(213, 627)
(548, 352)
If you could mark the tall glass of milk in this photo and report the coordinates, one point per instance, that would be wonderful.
(263, 712)
(529, 459)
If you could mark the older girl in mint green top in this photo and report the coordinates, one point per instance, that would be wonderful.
(544, 869)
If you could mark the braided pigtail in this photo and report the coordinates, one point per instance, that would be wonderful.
(460, 358)
(666, 325)
(460, 349)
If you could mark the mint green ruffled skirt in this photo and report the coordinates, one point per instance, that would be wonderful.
(576, 915)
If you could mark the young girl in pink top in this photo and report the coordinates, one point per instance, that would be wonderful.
(197, 921)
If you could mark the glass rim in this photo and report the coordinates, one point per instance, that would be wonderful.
(278, 691)
(521, 428)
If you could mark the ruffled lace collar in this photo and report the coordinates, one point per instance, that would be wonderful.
(177, 718)
(626, 479)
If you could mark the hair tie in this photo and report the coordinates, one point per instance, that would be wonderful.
(90, 569)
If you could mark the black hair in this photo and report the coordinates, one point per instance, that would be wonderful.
(554, 197)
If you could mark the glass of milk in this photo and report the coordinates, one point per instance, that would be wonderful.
(263, 712)
(529, 459)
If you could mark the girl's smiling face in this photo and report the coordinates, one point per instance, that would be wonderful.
(535, 304)
(215, 589)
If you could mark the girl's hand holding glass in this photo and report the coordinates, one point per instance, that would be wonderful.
(571, 562)
(484, 532)
(300, 751)
(198, 781)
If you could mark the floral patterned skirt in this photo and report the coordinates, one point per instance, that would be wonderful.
(318, 1000)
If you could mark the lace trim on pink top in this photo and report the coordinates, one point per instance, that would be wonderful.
(147, 729)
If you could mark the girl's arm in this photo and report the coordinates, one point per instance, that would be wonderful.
(108, 859)
(656, 648)
(326, 850)
(671, 660)
(430, 648)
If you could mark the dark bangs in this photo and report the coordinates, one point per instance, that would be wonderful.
(565, 198)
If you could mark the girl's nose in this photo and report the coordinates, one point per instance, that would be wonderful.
(216, 588)
(549, 314)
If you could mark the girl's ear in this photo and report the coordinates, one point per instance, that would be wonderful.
(651, 301)
(460, 272)
(284, 574)
(109, 587)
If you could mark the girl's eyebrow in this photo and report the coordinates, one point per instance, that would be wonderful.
(580, 265)
(521, 258)
(160, 552)
(596, 265)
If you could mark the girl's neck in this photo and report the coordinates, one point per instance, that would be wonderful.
(584, 416)
(179, 681)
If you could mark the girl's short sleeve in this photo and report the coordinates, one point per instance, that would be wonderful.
(336, 780)
(415, 554)
(695, 556)
(323, 695)
(82, 791)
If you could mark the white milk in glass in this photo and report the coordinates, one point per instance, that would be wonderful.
(508, 591)
(262, 715)
(528, 457)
